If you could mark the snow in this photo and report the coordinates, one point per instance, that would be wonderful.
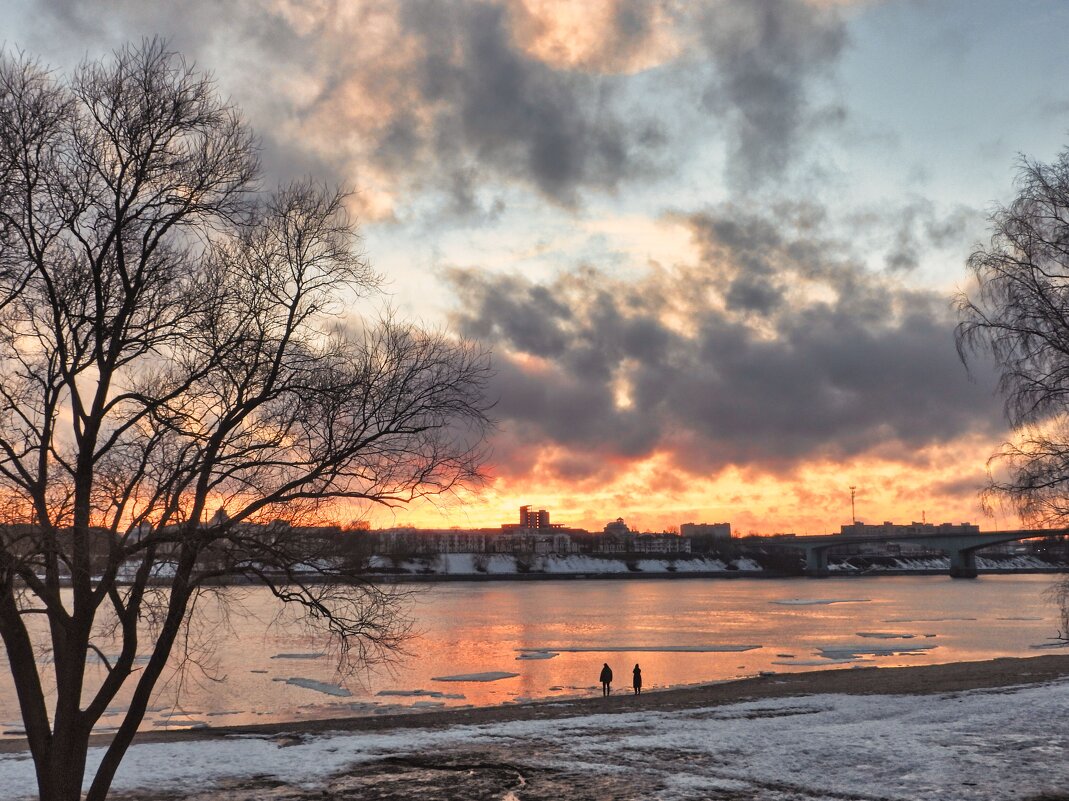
(498, 564)
(971, 746)
(490, 675)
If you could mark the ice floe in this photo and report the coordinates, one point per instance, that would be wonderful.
(490, 675)
(538, 655)
(853, 650)
(672, 649)
(318, 686)
(418, 693)
(884, 635)
(819, 601)
(318, 655)
(822, 662)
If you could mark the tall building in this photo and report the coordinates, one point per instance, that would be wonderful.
(532, 519)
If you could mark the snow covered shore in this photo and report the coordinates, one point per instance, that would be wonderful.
(475, 566)
(996, 743)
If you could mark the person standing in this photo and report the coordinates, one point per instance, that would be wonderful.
(606, 679)
(637, 680)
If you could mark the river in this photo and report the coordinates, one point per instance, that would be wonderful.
(555, 635)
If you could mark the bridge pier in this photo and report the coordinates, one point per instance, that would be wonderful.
(963, 564)
(816, 562)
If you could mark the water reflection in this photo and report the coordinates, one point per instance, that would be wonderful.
(682, 631)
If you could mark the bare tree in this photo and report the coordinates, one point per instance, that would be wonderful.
(1019, 315)
(175, 379)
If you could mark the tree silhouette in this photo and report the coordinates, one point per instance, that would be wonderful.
(1019, 314)
(177, 386)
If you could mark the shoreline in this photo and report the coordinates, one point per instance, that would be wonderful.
(417, 578)
(948, 678)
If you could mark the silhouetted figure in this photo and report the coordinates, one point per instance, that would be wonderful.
(637, 680)
(606, 679)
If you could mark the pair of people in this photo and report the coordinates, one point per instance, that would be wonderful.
(606, 679)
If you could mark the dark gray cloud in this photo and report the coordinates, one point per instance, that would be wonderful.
(918, 228)
(415, 95)
(507, 112)
(766, 56)
(824, 360)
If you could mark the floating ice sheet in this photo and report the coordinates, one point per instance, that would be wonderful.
(299, 656)
(318, 686)
(852, 650)
(490, 675)
(885, 635)
(822, 662)
(819, 601)
(676, 649)
(538, 655)
(418, 693)
(925, 619)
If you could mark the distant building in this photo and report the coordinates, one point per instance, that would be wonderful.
(914, 529)
(661, 543)
(715, 530)
(525, 540)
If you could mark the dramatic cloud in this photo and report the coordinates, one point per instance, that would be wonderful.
(776, 348)
(466, 99)
(765, 57)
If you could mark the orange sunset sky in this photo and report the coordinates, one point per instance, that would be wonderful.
(712, 246)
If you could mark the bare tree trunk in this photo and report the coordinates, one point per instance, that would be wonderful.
(135, 713)
(31, 697)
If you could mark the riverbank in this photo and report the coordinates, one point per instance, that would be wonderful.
(984, 730)
(540, 567)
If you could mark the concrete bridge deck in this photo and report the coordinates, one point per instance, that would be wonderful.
(961, 548)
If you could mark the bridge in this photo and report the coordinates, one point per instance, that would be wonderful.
(961, 548)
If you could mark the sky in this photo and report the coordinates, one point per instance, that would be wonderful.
(712, 246)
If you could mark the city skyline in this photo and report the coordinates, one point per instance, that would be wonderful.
(714, 286)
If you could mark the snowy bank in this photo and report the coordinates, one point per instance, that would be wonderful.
(499, 564)
(968, 745)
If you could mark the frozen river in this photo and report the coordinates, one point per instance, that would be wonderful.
(500, 642)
